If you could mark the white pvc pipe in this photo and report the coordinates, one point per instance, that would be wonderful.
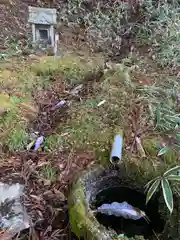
(116, 152)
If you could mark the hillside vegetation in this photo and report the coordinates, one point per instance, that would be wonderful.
(121, 71)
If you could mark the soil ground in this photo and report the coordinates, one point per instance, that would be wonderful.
(71, 143)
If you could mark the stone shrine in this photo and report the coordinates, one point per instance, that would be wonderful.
(43, 21)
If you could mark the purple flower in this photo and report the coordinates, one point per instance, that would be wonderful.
(59, 105)
(38, 143)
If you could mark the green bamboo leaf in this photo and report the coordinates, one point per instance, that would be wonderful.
(163, 151)
(158, 115)
(178, 136)
(167, 193)
(174, 178)
(152, 189)
(177, 119)
(173, 170)
(177, 147)
(15, 99)
(150, 182)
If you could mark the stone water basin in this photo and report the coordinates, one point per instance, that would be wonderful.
(97, 186)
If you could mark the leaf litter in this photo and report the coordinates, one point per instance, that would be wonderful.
(45, 199)
(46, 176)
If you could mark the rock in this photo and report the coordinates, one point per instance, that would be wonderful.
(83, 222)
(33, 135)
(13, 213)
(3, 111)
(76, 90)
(34, 57)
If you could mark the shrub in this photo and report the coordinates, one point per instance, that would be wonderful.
(153, 185)
(73, 68)
(161, 30)
(109, 25)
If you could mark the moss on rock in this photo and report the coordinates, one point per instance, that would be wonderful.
(82, 220)
(171, 157)
(151, 145)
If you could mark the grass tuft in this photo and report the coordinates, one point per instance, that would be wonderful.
(13, 129)
(75, 69)
(12, 123)
(160, 29)
(49, 173)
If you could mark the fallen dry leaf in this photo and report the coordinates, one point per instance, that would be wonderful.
(59, 195)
